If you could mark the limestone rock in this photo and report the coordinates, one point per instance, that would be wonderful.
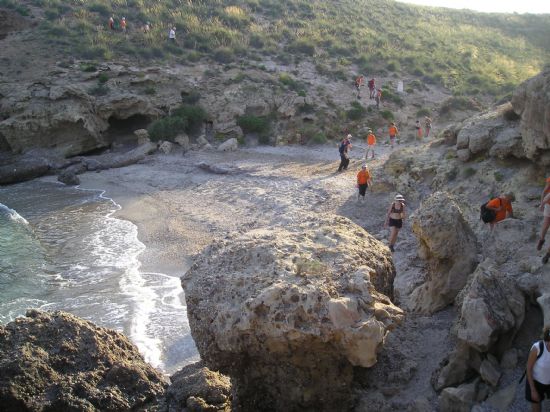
(460, 399)
(201, 141)
(69, 178)
(23, 169)
(449, 245)
(508, 143)
(463, 154)
(531, 101)
(196, 385)
(491, 306)
(183, 141)
(166, 147)
(459, 366)
(142, 136)
(286, 312)
(229, 145)
(490, 371)
(231, 131)
(56, 361)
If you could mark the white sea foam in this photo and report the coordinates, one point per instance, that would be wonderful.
(12, 214)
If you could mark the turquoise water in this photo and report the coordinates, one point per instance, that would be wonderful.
(61, 249)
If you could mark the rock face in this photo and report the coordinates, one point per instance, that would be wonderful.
(449, 245)
(55, 361)
(287, 312)
(531, 101)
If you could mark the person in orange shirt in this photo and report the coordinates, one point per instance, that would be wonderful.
(393, 133)
(502, 206)
(378, 97)
(123, 24)
(371, 142)
(363, 181)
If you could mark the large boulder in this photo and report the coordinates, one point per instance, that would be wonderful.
(449, 245)
(287, 312)
(58, 362)
(531, 101)
(229, 145)
(491, 307)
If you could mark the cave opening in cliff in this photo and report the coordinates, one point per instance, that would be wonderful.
(122, 130)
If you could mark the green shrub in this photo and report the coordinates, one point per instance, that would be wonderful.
(319, 138)
(386, 114)
(468, 172)
(193, 115)
(100, 8)
(254, 124)
(423, 112)
(303, 46)
(289, 81)
(88, 67)
(150, 90)
(356, 112)
(458, 103)
(393, 66)
(224, 55)
(99, 90)
(167, 128)
(498, 176)
(190, 97)
(306, 108)
(102, 78)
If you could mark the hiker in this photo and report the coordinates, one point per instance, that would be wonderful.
(392, 130)
(371, 142)
(112, 23)
(537, 384)
(344, 148)
(359, 82)
(502, 206)
(363, 181)
(545, 209)
(427, 125)
(147, 28)
(172, 35)
(394, 219)
(378, 97)
(418, 129)
(372, 87)
(123, 24)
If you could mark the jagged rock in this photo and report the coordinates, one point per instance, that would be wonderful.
(214, 169)
(463, 155)
(508, 143)
(142, 136)
(544, 302)
(502, 399)
(56, 361)
(166, 147)
(459, 366)
(68, 177)
(531, 101)
(286, 312)
(199, 389)
(207, 146)
(230, 131)
(490, 371)
(462, 140)
(450, 136)
(460, 399)
(183, 141)
(201, 141)
(23, 169)
(442, 230)
(491, 306)
(229, 145)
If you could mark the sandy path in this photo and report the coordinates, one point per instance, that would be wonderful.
(180, 208)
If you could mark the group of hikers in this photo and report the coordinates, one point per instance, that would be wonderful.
(374, 93)
(122, 24)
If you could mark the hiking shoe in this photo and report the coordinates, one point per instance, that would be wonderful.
(546, 258)
(393, 250)
(539, 245)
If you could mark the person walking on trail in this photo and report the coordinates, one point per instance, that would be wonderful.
(344, 149)
(394, 219)
(378, 97)
(537, 384)
(364, 179)
(372, 88)
(545, 209)
(418, 129)
(392, 130)
(502, 206)
(371, 142)
(123, 24)
(111, 23)
(147, 28)
(427, 125)
(172, 35)
(359, 82)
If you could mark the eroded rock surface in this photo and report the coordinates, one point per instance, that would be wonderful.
(287, 312)
(56, 361)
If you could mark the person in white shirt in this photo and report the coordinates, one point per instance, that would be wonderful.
(172, 35)
(537, 385)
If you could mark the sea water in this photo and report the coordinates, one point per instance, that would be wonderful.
(61, 248)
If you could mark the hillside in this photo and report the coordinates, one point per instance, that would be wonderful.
(466, 52)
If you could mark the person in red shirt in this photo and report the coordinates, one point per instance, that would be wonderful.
(363, 181)
(123, 24)
(502, 205)
(372, 87)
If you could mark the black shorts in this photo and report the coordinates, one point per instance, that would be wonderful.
(363, 189)
(543, 390)
(398, 223)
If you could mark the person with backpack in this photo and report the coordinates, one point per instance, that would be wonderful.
(123, 24)
(427, 125)
(364, 179)
(537, 384)
(394, 219)
(343, 149)
(371, 142)
(393, 132)
(112, 23)
(418, 130)
(499, 207)
(372, 87)
(359, 82)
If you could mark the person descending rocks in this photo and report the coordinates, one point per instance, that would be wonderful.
(172, 35)
(344, 149)
(359, 82)
(371, 142)
(502, 206)
(427, 125)
(393, 132)
(123, 24)
(394, 219)
(364, 179)
(537, 384)
(112, 22)
(418, 129)
(378, 98)
(372, 88)
(147, 28)
(545, 209)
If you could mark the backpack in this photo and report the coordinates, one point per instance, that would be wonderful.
(342, 148)
(541, 350)
(486, 214)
